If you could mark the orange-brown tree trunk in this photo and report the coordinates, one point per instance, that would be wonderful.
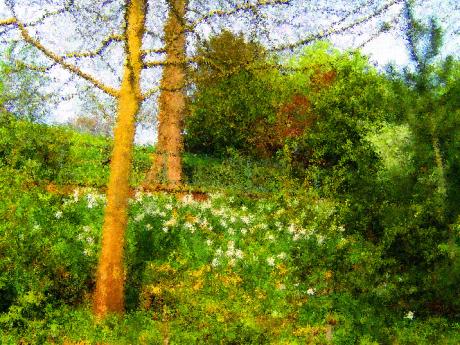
(109, 293)
(167, 162)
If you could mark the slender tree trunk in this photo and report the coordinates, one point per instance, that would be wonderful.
(167, 163)
(109, 294)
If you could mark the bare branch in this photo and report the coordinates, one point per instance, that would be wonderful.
(8, 21)
(60, 61)
(20, 65)
(150, 93)
(154, 51)
(322, 35)
(104, 44)
(239, 8)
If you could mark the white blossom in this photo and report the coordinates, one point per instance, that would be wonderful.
(281, 256)
(215, 262)
(311, 291)
(409, 315)
(271, 261)
(58, 214)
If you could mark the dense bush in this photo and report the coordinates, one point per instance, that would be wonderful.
(233, 99)
(394, 174)
(38, 150)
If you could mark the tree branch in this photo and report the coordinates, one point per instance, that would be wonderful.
(239, 8)
(60, 61)
(322, 35)
(104, 44)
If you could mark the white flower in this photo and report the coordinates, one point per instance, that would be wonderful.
(170, 222)
(138, 196)
(91, 200)
(244, 208)
(239, 253)
(219, 252)
(246, 220)
(215, 262)
(270, 237)
(90, 240)
(244, 231)
(165, 229)
(187, 199)
(291, 228)
(231, 231)
(232, 219)
(271, 261)
(230, 252)
(223, 223)
(75, 195)
(37, 227)
(139, 217)
(311, 291)
(281, 287)
(148, 226)
(281, 256)
(87, 228)
(188, 226)
(409, 315)
(209, 242)
(169, 207)
(58, 214)
(341, 228)
(87, 252)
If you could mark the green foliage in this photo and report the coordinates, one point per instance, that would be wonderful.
(39, 151)
(233, 99)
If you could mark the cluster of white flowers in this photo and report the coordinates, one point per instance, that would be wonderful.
(270, 237)
(271, 261)
(139, 217)
(409, 315)
(58, 215)
(187, 199)
(282, 256)
(296, 232)
(189, 226)
(311, 291)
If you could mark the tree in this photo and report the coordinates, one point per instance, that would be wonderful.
(166, 159)
(109, 292)
(231, 103)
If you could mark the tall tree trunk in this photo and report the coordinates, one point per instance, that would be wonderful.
(167, 162)
(109, 294)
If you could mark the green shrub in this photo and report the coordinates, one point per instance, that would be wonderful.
(38, 150)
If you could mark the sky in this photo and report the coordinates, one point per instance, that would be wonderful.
(388, 47)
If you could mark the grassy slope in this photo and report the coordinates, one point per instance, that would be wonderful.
(223, 271)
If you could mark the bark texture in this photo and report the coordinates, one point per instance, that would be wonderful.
(109, 293)
(167, 163)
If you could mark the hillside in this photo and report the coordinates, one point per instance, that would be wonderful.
(249, 263)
